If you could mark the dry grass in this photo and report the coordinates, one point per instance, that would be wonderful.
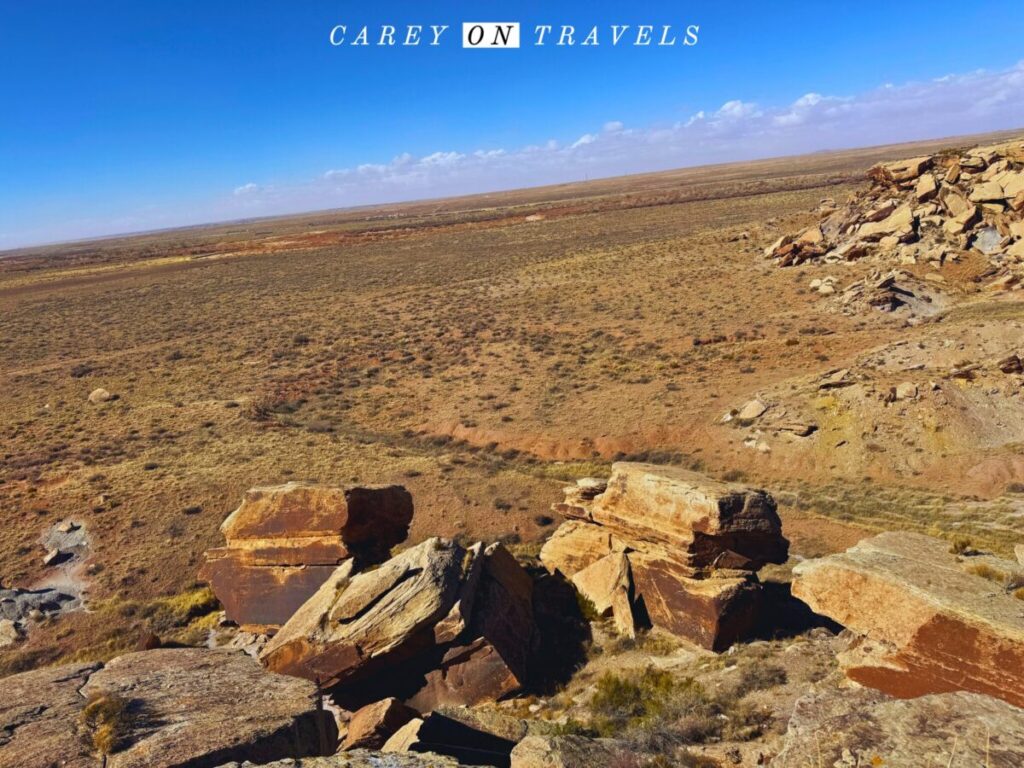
(478, 359)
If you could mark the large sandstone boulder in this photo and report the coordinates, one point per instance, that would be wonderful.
(284, 541)
(865, 727)
(668, 547)
(181, 707)
(926, 620)
(439, 623)
(694, 516)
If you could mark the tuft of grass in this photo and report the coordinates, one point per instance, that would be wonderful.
(656, 712)
(108, 720)
(759, 677)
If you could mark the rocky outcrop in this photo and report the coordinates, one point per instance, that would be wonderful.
(933, 208)
(284, 541)
(671, 547)
(375, 723)
(925, 620)
(175, 707)
(564, 752)
(438, 623)
(865, 727)
(360, 758)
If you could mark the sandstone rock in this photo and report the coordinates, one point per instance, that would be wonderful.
(9, 633)
(751, 410)
(812, 236)
(375, 723)
(284, 541)
(926, 188)
(373, 615)
(899, 224)
(926, 620)
(671, 548)
(904, 170)
(1011, 364)
(906, 390)
(962, 222)
(575, 545)
(445, 736)
(460, 621)
(712, 612)
(492, 659)
(989, 191)
(38, 714)
(864, 727)
(100, 395)
(187, 707)
(694, 516)
(563, 752)
(608, 584)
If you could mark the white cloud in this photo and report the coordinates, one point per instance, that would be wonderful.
(582, 141)
(737, 130)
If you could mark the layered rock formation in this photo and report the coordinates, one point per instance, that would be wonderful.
(865, 727)
(175, 707)
(284, 541)
(438, 623)
(933, 208)
(668, 546)
(926, 620)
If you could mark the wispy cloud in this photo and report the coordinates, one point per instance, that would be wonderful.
(734, 130)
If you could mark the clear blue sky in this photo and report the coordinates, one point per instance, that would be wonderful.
(124, 115)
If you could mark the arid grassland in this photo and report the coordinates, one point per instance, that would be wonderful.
(481, 352)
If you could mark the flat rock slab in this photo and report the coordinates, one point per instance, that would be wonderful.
(865, 727)
(927, 620)
(186, 706)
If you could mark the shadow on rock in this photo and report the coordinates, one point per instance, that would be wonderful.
(783, 616)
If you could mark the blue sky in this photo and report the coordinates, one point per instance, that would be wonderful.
(122, 116)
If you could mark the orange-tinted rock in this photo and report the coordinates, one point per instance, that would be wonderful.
(712, 612)
(669, 547)
(492, 659)
(576, 545)
(283, 542)
(372, 725)
(926, 620)
(436, 624)
(693, 516)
